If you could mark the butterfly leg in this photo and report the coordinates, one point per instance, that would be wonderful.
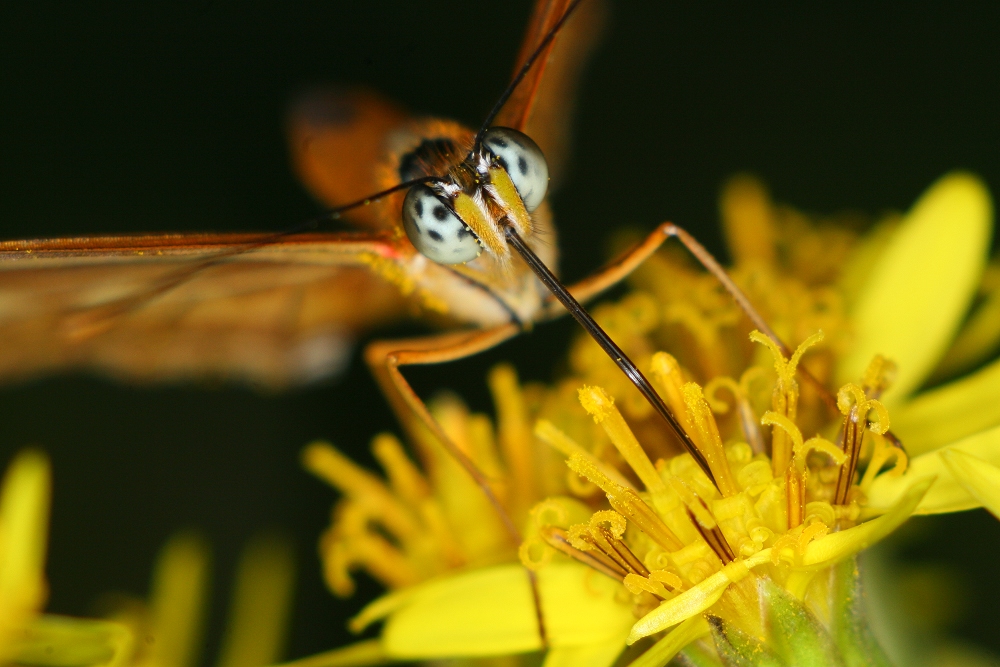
(618, 270)
(385, 359)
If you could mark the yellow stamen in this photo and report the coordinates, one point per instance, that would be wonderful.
(405, 478)
(514, 433)
(548, 433)
(748, 220)
(628, 503)
(178, 601)
(607, 528)
(694, 504)
(24, 513)
(882, 453)
(668, 373)
(878, 376)
(560, 540)
(324, 461)
(637, 584)
(602, 408)
(857, 409)
(706, 435)
(785, 398)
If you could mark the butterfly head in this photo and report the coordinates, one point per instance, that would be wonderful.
(454, 219)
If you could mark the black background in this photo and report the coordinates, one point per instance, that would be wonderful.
(138, 116)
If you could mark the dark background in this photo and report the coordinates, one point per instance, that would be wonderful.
(137, 116)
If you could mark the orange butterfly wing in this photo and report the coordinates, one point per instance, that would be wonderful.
(542, 106)
(247, 306)
(171, 307)
(330, 135)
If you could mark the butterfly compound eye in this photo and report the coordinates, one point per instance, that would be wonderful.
(523, 160)
(435, 230)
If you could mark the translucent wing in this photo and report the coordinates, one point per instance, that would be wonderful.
(171, 307)
(542, 106)
(333, 132)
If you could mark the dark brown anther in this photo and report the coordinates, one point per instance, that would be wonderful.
(559, 540)
(853, 433)
(617, 549)
(714, 538)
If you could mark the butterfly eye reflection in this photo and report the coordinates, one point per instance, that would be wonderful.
(435, 231)
(523, 160)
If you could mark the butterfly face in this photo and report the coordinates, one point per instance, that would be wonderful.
(500, 183)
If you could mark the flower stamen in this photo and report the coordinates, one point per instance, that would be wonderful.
(628, 503)
(785, 399)
(559, 539)
(855, 405)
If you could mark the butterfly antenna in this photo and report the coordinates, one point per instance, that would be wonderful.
(370, 199)
(523, 72)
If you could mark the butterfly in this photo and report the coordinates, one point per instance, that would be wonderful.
(274, 313)
(456, 225)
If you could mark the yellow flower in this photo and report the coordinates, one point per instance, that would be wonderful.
(26, 635)
(636, 540)
(168, 629)
(24, 509)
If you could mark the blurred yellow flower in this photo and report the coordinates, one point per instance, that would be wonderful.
(634, 540)
(168, 627)
(24, 513)
(166, 632)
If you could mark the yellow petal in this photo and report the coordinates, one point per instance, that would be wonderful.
(664, 650)
(696, 599)
(947, 494)
(979, 336)
(24, 511)
(491, 612)
(361, 654)
(834, 547)
(59, 641)
(601, 654)
(178, 601)
(980, 478)
(943, 415)
(258, 617)
(921, 286)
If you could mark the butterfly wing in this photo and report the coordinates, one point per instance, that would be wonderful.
(331, 132)
(541, 106)
(171, 307)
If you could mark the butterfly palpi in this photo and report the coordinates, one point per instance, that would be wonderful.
(468, 244)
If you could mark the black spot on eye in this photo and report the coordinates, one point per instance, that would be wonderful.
(499, 142)
(434, 235)
(440, 212)
(419, 208)
(462, 233)
(522, 165)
